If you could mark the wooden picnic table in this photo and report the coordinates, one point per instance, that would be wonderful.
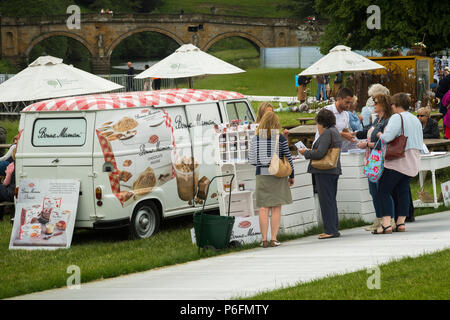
(437, 144)
(304, 120)
(305, 133)
(436, 116)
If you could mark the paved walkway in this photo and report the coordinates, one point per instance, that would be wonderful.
(248, 272)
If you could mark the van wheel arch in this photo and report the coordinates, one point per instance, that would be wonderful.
(146, 219)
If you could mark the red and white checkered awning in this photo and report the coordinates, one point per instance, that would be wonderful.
(132, 100)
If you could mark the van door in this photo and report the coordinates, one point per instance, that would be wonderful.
(202, 118)
(59, 146)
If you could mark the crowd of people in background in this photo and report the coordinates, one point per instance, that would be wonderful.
(383, 119)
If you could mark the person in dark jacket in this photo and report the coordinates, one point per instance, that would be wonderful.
(130, 77)
(9, 184)
(302, 83)
(326, 180)
(429, 126)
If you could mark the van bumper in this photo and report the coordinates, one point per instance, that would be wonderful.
(111, 224)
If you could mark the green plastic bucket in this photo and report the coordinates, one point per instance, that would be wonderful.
(212, 230)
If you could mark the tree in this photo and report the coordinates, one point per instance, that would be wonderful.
(20, 8)
(403, 22)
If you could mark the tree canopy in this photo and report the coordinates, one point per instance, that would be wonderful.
(403, 23)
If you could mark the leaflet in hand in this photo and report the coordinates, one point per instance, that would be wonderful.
(300, 145)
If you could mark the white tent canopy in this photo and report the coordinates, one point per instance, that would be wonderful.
(47, 77)
(188, 61)
(341, 59)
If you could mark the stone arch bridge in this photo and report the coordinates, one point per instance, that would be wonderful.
(101, 33)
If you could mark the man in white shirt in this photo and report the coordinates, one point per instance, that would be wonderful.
(344, 99)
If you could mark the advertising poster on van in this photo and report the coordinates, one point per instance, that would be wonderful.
(45, 214)
(146, 153)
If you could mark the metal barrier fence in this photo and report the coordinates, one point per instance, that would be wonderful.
(132, 84)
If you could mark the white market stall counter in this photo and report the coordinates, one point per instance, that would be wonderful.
(298, 217)
(353, 198)
(431, 162)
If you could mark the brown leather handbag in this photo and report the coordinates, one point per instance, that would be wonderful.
(396, 148)
(329, 161)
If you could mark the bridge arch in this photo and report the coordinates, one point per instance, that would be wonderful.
(140, 30)
(44, 36)
(255, 41)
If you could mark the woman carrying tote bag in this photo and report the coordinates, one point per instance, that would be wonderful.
(326, 179)
(271, 191)
(398, 172)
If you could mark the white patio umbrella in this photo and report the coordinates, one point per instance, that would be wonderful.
(47, 77)
(341, 59)
(188, 61)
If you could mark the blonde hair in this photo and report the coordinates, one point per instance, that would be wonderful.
(377, 89)
(268, 123)
(262, 110)
(424, 111)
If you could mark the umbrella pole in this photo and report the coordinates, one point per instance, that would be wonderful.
(191, 82)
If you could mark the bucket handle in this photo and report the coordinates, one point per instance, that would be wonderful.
(207, 190)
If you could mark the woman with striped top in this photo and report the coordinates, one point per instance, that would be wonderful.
(271, 192)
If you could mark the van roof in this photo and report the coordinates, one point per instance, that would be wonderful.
(131, 100)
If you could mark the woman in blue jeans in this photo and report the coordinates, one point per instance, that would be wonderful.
(398, 172)
(382, 107)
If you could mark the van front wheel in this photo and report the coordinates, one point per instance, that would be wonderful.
(145, 221)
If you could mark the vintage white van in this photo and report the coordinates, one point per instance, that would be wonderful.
(140, 156)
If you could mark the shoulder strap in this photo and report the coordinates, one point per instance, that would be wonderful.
(331, 135)
(402, 123)
(276, 143)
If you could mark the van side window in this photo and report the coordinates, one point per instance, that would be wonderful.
(239, 110)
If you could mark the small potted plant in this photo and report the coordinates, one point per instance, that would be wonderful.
(391, 52)
(419, 49)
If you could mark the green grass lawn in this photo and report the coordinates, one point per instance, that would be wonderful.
(101, 255)
(255, 81)
(422, 278)
(249, 8)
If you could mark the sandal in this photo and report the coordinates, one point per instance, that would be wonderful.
(275, 243)
(384, 230)
(264, 244)
(396, 229)
(329, 236)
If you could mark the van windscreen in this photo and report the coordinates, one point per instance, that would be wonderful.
(54, 132)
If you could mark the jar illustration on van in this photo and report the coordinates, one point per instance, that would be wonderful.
(186, 170)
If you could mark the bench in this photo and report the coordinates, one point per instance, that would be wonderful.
(437, 144)
(303, 121)
(436, 116)
(5, 145)
(304, 133)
